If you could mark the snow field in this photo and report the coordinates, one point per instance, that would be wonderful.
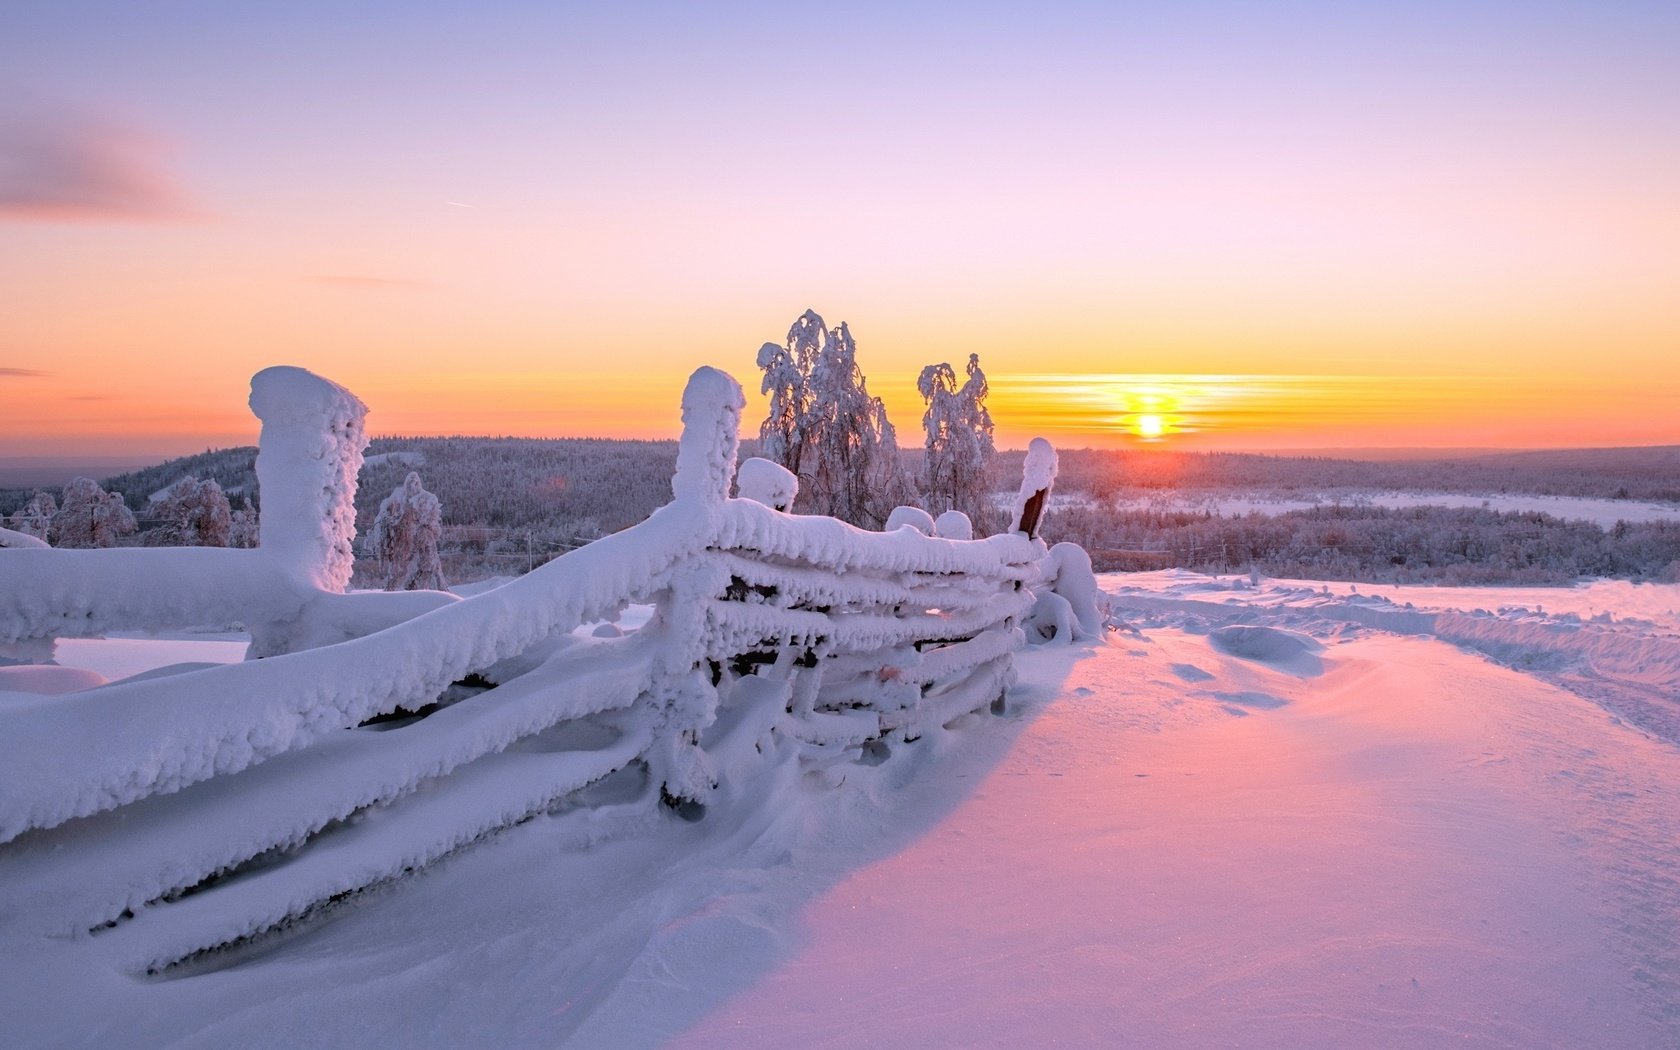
(1234, 823)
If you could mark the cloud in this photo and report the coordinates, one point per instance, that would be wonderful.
(21, 373)
(351, 281)
(74, 168)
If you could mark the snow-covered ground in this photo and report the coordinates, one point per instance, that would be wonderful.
(1601, 512)
(1284, 815)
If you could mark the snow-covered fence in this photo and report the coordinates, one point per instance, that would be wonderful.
(288, 592)
(776, 641)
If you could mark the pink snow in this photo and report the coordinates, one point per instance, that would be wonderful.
(1412, 847)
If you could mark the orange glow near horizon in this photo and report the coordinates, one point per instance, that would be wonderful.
(1447, 226)
(1191, 412)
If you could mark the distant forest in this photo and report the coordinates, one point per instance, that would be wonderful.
(510, 503)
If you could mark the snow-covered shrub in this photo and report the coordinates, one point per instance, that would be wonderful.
(244, 530)
(194, 513)
(768, 483)
(405, 538)
(35, 517)
(90, 517)
(959, 442)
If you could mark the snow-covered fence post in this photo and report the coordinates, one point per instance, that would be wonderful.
(1038, 474)
(684, 691)
(711, 414)
(313, 434)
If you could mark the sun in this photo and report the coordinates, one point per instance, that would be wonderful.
(1149, 426)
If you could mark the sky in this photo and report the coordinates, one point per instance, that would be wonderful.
(1199, 225)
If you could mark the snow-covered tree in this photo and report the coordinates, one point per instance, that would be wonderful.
(959, 441)
(405, 536)
(90, 516)
(826, 428)
(244, 528)
(195, 514)
(35, 517)
(787, 374)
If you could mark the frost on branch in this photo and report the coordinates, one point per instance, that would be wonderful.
(313, 435)
(958, 440)
(90, 516)
(405, 538)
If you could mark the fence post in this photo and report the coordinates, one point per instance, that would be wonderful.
(1038, 474)
(313, 434)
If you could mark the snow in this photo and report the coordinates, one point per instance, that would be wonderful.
(1413, 849)
(1177, 836)
(953, 525)
(12, 538)
(1257, 812)
(768, 483)
(912, 517)
(313, 435)
(1038, 474)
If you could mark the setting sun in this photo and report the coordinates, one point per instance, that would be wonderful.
(1149, 427)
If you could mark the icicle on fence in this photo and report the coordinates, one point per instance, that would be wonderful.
(775, 638)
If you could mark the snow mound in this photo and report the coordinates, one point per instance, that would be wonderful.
(768, 483)
(13, 538)
(915, 517)
(1273, 646)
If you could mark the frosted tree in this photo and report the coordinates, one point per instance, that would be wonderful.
(826, 428)
(244, 528)
(959, 442)
(90, 517)
(405, 536)
(787, 373)
(35, 517)
(195, 514)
